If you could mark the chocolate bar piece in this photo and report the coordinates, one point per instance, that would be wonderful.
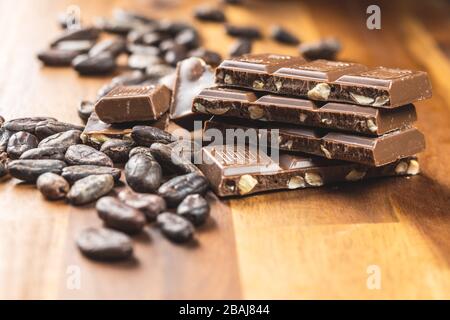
(371, 151)
(325, 80)
(96, 132)
(238, 171)
(331, 115)
(133, 103)
(192, 76)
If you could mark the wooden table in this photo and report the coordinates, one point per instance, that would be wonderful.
(316, 243)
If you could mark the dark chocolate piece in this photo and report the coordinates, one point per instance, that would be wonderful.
(371, 151)
(325, 80)
(323, 49)
(133, 103)
(237, 171)
(192, 76)
(331, 115)
(97, 132)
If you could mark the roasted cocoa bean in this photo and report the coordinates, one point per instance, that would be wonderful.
(85, 33)
(48, 128)
(282, 35)
(80, 154)
(249, 32)
(90, 189)
(30, 170)
(326, 49)
(4, 138)
(25, 124)
(178, 188)
(175, 228)
(62, 139)
(140, 150)
(117, 149)
(171, 160)
(57, 57)
(195, 208)
(145, 136)
(240, 47)
(52, 186)
(85, 109)
(2, 121)
(207, 13)
(3, 170)
(143, 173)
(104, 244)
(150, 204)
(20, 142)
(75, 173)
(117, 215)
(55, 153)
(100, 64)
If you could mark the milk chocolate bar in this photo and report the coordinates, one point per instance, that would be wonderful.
(96, 132)
(331, 115)
(133, 103)
(371, 151)
(325, 80)
(239, 171)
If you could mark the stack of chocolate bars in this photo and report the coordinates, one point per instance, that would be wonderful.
(336, 121)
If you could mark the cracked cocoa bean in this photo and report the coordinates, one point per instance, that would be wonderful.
(195, 208)
(80, 154)
(143, 173)
(25, 124)
(75, 173)
(46, 129)
(55, 153)
(62, 139)
(104, 244)
(175, 228)
(52, 186)
(20, 142)
(90, 189)
(117, 149)
(178, 188)
(150, 204)
(30, 170)
(145, 136)
(117, 215)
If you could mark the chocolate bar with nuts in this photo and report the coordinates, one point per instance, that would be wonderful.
(133, 103)
(331, 115)
(238, 171)
(325, 80)
(371, 151)
(96, 132)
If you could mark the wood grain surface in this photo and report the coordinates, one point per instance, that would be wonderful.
(314, 243)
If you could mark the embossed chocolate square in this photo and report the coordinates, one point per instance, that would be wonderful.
(383, 87)
(133, 103)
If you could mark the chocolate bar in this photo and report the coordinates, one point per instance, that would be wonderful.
(371, 151)
(239, 171)
(96, 132)
(331, 115)
(192, 76)
(325, 80)
(133, 103)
